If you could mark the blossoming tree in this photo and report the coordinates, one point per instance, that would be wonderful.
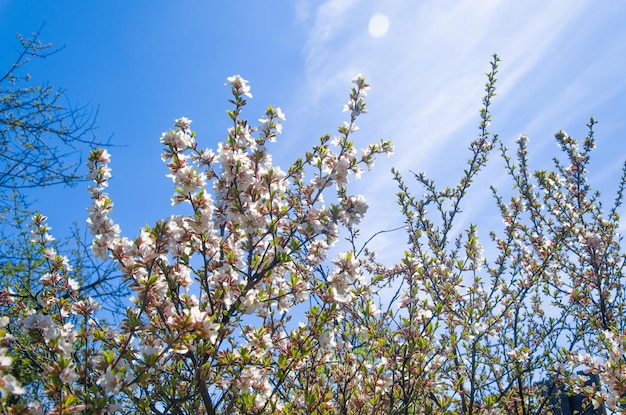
(237, 306)
(248, 252)
(516, 331)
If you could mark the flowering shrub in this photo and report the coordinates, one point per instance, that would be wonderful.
(238, 307)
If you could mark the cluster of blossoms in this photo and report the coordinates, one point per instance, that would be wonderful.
(8, 383)
(105, 231)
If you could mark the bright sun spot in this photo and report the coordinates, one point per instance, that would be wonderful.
(379, 24)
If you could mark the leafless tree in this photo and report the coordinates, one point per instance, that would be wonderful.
(42, 137)
(41, 133)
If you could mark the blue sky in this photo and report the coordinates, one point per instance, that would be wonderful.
(145, 63)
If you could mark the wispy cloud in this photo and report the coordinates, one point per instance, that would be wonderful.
(428, 75)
